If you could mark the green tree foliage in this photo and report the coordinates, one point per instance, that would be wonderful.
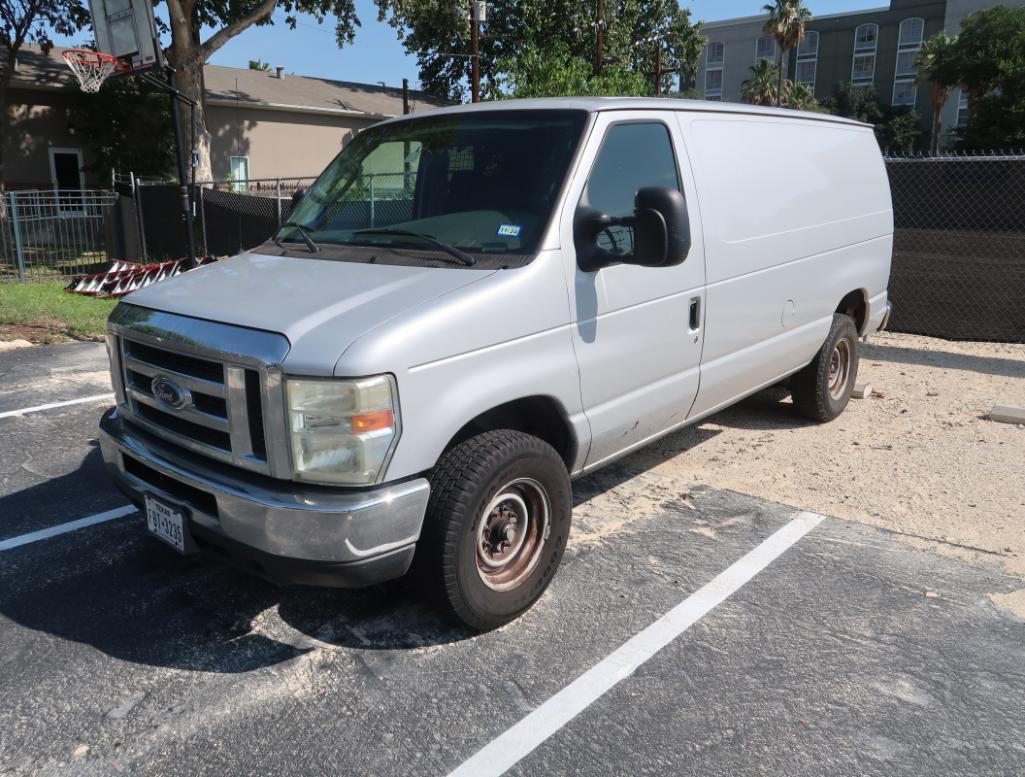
(127, 127)
(800, 97)
(990, 55)
(557, 73)
(897, 129)
(938, 64)
(786, 24)
(761, 88)
(437, 33)
(30, 21)
(259, 64)
(199, 28)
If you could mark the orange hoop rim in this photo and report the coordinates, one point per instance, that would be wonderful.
(88, 57)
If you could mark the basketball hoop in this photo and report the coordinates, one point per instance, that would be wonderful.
(93, 67)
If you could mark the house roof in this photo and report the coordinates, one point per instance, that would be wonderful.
(246, 88)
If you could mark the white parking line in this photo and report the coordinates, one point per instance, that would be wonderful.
(52, 405)
(64, 528)
(506, 751)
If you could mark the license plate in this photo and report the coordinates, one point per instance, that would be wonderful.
(166, 522)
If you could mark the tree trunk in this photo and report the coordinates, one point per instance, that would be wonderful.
(779, 86)
(5, 123)
(189, 81)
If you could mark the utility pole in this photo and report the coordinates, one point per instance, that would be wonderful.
(658, 67)
(599, 40)
(475, 50)
(405, 96)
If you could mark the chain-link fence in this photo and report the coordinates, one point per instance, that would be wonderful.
(958, 260)
(959, 246)
(51, 234)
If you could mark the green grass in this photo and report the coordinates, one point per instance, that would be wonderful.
(50, 314)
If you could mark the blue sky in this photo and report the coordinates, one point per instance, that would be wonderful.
(377, 55)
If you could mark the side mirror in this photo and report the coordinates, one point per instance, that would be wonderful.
(660, 231)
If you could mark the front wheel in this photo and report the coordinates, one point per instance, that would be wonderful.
(822, 390)
(496, 527)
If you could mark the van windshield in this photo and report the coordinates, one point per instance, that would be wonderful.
(483, 184)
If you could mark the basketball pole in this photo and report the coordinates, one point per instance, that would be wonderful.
(177, 97)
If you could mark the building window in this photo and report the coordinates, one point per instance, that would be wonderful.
(807, 59)
(911, 32)
(962, 109)
(863, 70)
(240, 173)
(904, 92)
(909, 42)
(715, 55)
(809, 45)
(765, 48)
(907, 64)
(865, 37)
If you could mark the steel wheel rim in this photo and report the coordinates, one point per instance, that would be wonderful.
(839, 369)
(511, 533)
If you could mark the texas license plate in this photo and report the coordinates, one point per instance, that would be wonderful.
(166, 522)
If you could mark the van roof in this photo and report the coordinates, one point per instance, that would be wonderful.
(597, 104)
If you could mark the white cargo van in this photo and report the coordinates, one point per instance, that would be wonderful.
(472, 306)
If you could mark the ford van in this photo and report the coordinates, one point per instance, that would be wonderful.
(473, 306)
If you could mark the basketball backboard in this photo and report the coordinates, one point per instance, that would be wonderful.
(125, 29)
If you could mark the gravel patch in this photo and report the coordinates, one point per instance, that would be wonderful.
(919, 457)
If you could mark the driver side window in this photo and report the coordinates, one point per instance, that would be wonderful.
(632, 156)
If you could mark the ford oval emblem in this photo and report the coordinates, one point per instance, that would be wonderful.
(170, 394)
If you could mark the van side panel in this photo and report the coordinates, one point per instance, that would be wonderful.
(796, 214)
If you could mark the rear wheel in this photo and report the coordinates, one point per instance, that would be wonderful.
(496, 526)
(822, 390)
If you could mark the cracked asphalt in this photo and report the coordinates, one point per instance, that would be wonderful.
(852, 653)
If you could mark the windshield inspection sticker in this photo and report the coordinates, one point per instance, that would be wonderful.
(509, 230)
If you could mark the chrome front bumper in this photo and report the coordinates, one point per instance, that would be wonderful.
(276, 528)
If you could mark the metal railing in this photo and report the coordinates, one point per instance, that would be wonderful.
(52, 234)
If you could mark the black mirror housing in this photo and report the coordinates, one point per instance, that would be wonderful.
(661, 231)
(661, 227)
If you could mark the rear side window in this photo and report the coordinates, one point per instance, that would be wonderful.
(631, 157)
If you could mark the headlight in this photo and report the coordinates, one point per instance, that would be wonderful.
(342, 431)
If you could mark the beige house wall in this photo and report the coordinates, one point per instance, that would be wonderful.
(279, 144)
(37, 120)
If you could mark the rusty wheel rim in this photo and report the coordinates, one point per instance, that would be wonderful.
(511, 533)
(839, 369)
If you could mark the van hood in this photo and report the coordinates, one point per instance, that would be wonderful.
(320, 305)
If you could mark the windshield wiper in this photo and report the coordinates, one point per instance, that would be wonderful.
(462, 256)
(303, 231)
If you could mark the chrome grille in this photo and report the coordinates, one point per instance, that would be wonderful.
(228, 378)
(215, 418)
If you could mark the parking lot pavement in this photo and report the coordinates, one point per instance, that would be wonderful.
(30, 377)
(850, 653)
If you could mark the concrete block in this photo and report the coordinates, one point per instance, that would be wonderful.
(862, 390)
(1008, 414)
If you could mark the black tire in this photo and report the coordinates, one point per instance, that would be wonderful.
(819, 391)
(468, 479)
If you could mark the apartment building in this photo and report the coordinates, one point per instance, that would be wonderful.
(875, 47)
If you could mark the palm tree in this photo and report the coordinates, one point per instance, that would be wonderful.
(937, 64)
(759, 89)
(800, 97)
(786, 24)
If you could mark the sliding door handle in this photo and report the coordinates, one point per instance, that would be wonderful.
(695, 314)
